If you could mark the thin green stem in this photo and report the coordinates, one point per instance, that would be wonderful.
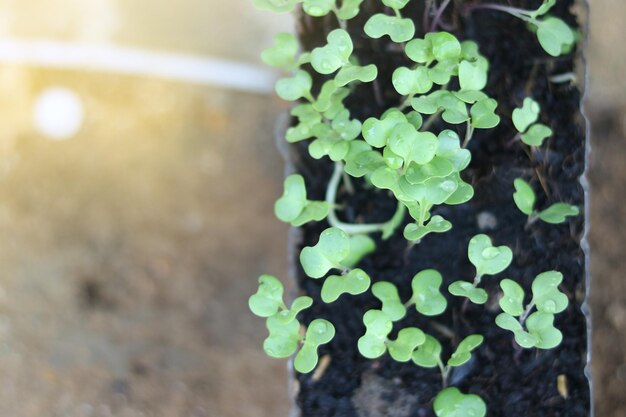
(469, 132)
(526, 313)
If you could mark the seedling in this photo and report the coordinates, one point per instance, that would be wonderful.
(427, 296)
(488, 260)
(453, 403)
(524, 198)
(524, 118)
(547, 299)
(353, 283)
(294, 208)
(398, 29)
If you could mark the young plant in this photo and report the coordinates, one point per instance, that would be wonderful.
(524, 198)
(547, 299)
(294, 208)
(554, 35)
(453, 403)
(488, 260)
(524, 118)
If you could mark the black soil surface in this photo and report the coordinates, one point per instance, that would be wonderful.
(511, 381)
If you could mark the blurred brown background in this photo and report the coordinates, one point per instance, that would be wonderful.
(128, 251)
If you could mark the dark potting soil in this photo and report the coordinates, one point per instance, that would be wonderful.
(513, 382)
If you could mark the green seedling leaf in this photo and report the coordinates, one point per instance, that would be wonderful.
(353, 283)
(473, 75)
(488, 259)
(395, 4)
(292, 203)
(269, 297)
(408, 340)
(392, 160)
(526, 115)
(385, 178)
(536, 135)
(483, 114)
(411, 82)
(283, 339)
(332, 248)
(512, 302)
(450, 149)
(434, 191)
(546, 294)
(428, 104)
(387, 293)
(349, 9)
(299, 304)
(328, 59)
(428, 354)
(463, 352)
(350, 73)
(318, 333)
(469, 51)
(453, 403)
(324, 98)
(555, 36)
(541, 325)
(558, 213)
(398, 29)
(524, 196)
(523, 338)
(411, 145)
(317, 8)
(377, 328)
(467, 290)
(427, 294)
(444, 45)
(308, 117)
(376, 132)
(438, 167)
(361, 159)
(470, 96)
(276, 6)
(419, 51)
(283, 53)
(437, 224)
(296, 87)
(360, 247)
(443, 71)
(415, 119)
(455, 110)
(314, 211)
(463, 193)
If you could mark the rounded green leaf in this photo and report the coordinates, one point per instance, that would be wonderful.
(450, 148)
(419, 50)
(376, 132)
(319, 332)
(350, 73)
(555, 36)
(427, 294)
(276, 6)
(288, 207)
(508, 322)
(296, 87)
(398, 29)
(313, 211)
(443, 71)
(407, 341)
(360, 247)
(332, 248)
(463, 193)
(488, 259)
(283, 339)
(438, 167)
(558, 213)
(444, 45)
(437, 224)
(428, 354)
(467, 290)
(328, 59)
(524, 196)
(546, 294)
(472, 75)
(387, 293)
(536, 135)
(377, 326)
(526, 115)
(410, 82)
(395, 4)
(453, 403)
(269, 297)
(283, 53)
(317, 8)
(349, 9)
(463, 352)
(455, 110)
(355, 282)
(412, 145)
(541, 325)
(299, 304)
(512, 302)
(483, 114)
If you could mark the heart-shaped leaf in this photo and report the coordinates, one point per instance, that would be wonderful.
(296, 87)
(443, 71)
(397, 28)
(488, 259)
(410, 82)
(408, 339)
(283, 53)
(546, 294)
(524, 196)
(332, 248)
(467, 290)
(314, 211)
(463, 193)
(428, 104)
(395, 4)
(283, 337)
(335, 54)
(412, 145)
(376, 132)
(463, 352)
(453, 403)
(360, 247)
(350, 73)
(428, 354)
(555, 36)
(293, 201)
(355, 282)
(536, 135)
(349, 9)
(483, 114)
(437, 224)
(317, 8)
(438, 167)
(299, 304)
(269, 297)
(319, 332)
(541, 325)
(377, 328)
(526, 115)
(558, 213)
(387, 293)
(427, 294)
(450, 149)
(512, 302)
(455, 110)
(473, 75)
(444, 45)
(420, 51)
(361, 159)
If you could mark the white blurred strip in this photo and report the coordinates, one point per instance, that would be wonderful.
(135, 61)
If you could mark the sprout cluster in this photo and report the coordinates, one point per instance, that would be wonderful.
(411, 151)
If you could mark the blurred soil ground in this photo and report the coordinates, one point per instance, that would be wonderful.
(127, 253)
